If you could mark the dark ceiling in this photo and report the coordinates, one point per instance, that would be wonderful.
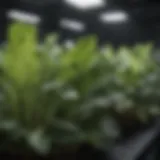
(142, 25)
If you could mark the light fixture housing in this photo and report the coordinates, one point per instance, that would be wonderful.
(114, 17)
(23, 16)
(86, 4)
(73, 25)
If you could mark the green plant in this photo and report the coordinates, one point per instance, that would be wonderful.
(52, 96)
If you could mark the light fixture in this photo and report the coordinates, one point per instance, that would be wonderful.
(23, 16)
(86, 4)
(114, 17)
(71, 24)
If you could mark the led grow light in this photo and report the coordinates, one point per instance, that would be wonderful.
(114, 17)
(72, 25)
(86, 4)
(23, 16)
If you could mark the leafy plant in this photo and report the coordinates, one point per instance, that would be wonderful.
(52, 96)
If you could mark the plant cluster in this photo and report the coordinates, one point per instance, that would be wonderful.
(51, 96)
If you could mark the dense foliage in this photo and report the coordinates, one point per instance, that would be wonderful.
(52, 96)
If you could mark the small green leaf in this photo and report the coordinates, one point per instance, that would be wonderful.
(39, 141)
